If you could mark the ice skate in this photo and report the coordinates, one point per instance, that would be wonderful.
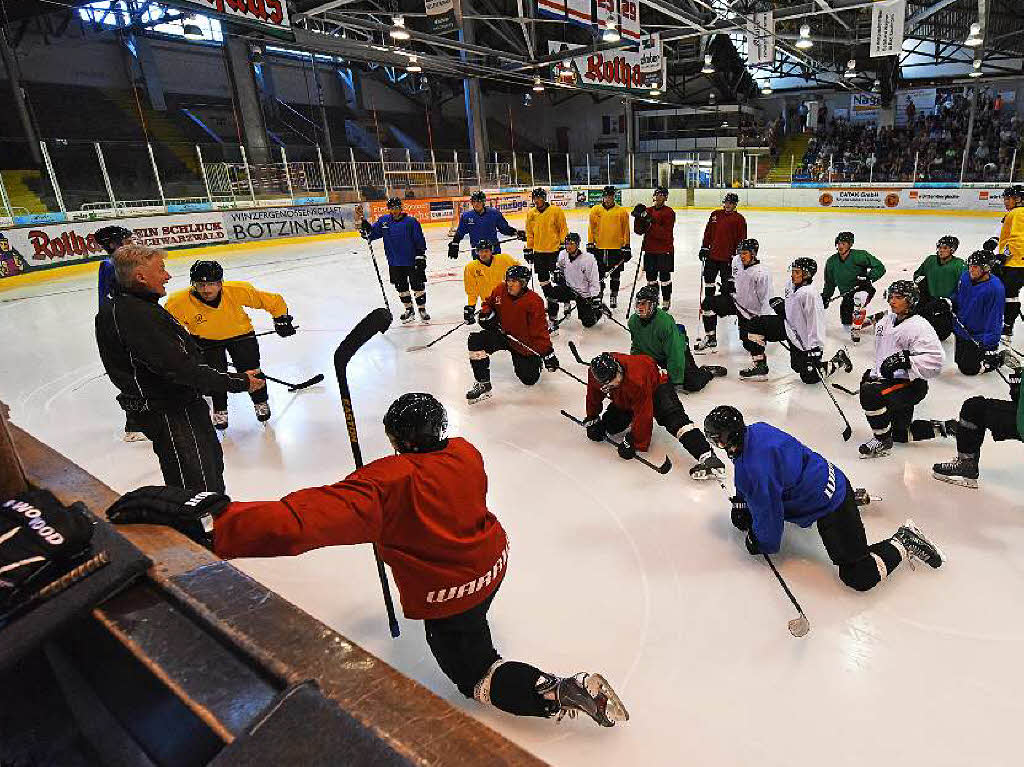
(408, 315)
(666, 304)
(875, 447)
(424, 317)
(613, 301)
(716, 371)
(262, 411)
(710, 466)
(552, 326)
(756, 372)
(220, 419)
(135, 436)
(707, 345)
(962, 470)
(917, 545)
(481, 390)
(589, 693)
(842, 360)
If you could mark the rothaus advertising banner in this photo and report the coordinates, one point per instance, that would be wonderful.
(266, 13)
(622, 69)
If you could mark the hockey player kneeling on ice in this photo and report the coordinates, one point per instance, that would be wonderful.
(483, 274)
(608, 241)
(779, 480)
(213, 311)
(512, 309)
(578, 279)
(853, 272)
(937, 278)
(425, 509)
(977, 306)
(654, 332)
(907, 351)
(406, 251)
(640, 394)
(1003, 418)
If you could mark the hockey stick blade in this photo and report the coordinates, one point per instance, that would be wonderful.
(420, 347)
(798, 626)
(664, 468)
(377, 321)
(843, 389)
(294, 386)
(576, 353)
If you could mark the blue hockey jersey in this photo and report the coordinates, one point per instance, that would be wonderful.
(483, 226)
(403, 238)
(107, 281)
(783, 480)
(979, 307)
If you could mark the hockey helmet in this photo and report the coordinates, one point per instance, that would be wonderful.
(111, 238)
(518, 273)
(750, 244)
(807, 265)
(724, 427)
(478, 196)
(844, 237)
(949, 241)
(905, 289)
(980, 258)
(539, 192)
(1014, 190)
(206, 271)
(416, 422)
(663, 190)
(608, 191)
(572, 237)
(732, 197)
(394, 202)
(604, 367)
(484, 244)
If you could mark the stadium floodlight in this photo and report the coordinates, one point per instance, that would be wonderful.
(709, 68)
(876, 87)
(538, 87)
(804, 41)
(976, 72)
(851, 69)
(414, 65)
(766, 89)
(974, 38)
(398, 31)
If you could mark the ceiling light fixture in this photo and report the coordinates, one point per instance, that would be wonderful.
(414, 65)
(876, 87)
(538, 87)
(709, 68)
(610, 34)
(974, 38)
(191, 30)
(766, 89)
(655, 91)
(976, 72)
(804, 41)
(851, 69)
(398, 31)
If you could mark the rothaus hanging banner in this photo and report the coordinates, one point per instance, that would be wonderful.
(441, 17)
(629, 20)
(887, 27)
(761, 38)
(270, 13)
(622, 69)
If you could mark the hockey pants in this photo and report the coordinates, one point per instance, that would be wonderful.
(658, 268)
(584, 308)
(889, 407)
(245, 354)
(979, 413)
(1013, 280)
(606, 260)
(484, 343)
(186, 445)
(668, 412)
(405, 278)
(846, 305)
(970, 358)
(544, 265)
(721, 271)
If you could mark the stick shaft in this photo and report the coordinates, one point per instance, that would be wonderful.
(380, 281)
(538, 354)
(782, 582)
(440, 337)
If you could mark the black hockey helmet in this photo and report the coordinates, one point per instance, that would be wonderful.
(573, 237)
(111, 238)
(724, 427)
(416, 422)
(539, 192)
(478, 196)
(608, 191)
(661, 190)
(980, 258)
(749, 244)
(1014, 190)
(949, 241)
(807, 265)
(844, 237)
(484, 244)
(732, 197)
(206, 271)
(906, 289)
(648, 293)
(518, 273)
(604, 367)
(394, 202)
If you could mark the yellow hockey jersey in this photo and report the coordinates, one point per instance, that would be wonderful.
(545, 232)
(1012, 236)
(609, 227)
(481, 280)
(228, 319)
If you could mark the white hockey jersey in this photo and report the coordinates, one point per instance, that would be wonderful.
(753, 289)
(914, 334)
(581, 273)
(805, 317)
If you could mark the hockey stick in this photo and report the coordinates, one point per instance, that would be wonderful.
(842, 388)
(499, 242)
(224, 342)
(847, 429)
(377, 321)
(379, 280)
(511, 337)
(977, 343)
(570, 310)
(294, 386)
(419, 347)
(576, 354)
(665, 467)
(639, 261)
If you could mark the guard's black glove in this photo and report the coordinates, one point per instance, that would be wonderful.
(896, 361)
(521, 235)
(488, 321)
(1015, 378)
(751, 543)
(595, 429)
(639, 210)
(990, 244)
(187, 511)
(528, 255)
(453, 250)
(626, 253)
(626, 449)
(469, 315)
(365, 229)
(740, 514)
(283, 326)
(551, 362)
(704, 254)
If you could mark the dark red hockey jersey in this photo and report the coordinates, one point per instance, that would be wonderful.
(659, 236)
(635, 394)
(723, 234)
(523, 316)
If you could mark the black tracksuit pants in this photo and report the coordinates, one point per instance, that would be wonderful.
(245, 354)
(186, 445)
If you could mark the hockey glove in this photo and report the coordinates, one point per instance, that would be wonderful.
(1015, 378)
(488, 321)
(39, 539)
(365, 229)
(595, 429)
(521, 235)
(420, 262)
(528, 255)
(992, 359)
(990, 244)
(626, 449)
(704, 254)
(283, 326)
(551, 362)
(740, 514)
(813, 359)
(469, 315)
(751, 543)
(453, 250)
(190, 513)
(826, 301)
(778, 306)
(626, 253)
(592, 250)
(897, 361)
(638, 210)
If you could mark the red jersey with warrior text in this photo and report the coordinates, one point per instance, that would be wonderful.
(426, 512)
(659, 237)
(641, 376)
(522, 316)
(723, 234)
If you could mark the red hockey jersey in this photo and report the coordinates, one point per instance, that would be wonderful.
(659, 237)
(723, 234)
(523, 316)
(636, 394)
(426, 512)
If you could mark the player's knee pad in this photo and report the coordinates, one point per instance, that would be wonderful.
(861, 575)
(665, 278)
(871, 397)
(529, 374)
(476, 343)
(972, 412)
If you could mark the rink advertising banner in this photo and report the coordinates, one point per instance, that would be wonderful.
(761, 38)
(270, 13)
(274, 223)
(859, 198)
(864, 107)
(629, 20)
(887, 27)
(618, 69)
(441, 17)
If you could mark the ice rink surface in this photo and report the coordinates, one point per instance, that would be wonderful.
(613, 567)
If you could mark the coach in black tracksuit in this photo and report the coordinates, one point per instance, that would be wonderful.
(160, 372)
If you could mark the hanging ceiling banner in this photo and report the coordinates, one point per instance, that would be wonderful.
(629, 20)
(579, 12)
(606, 9)
(441, 17)
(622, 69)
(268, 13)
(761, 38)
(887, 27)
(553, 9)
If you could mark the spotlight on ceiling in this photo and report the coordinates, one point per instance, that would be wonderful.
(876, 87)
(610, 34)
(976, 72)
(974, 38)
(851, 69)
(538, 87)
(804, 41)
(766, 89)
(398, 31)
(709, 68)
